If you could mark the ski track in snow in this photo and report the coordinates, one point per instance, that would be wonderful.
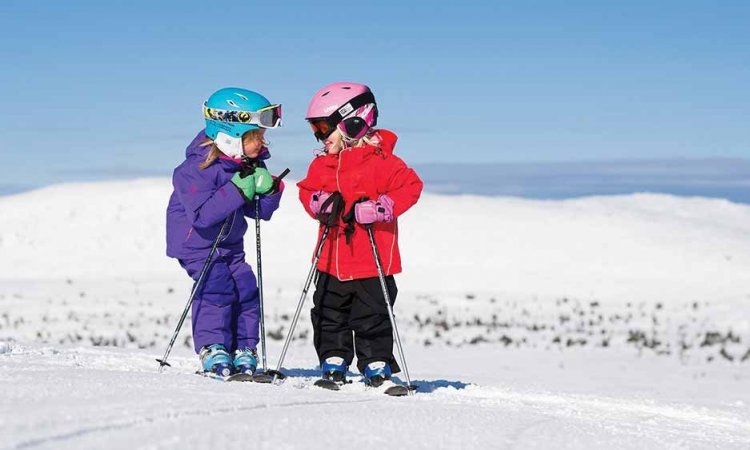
(170, 415)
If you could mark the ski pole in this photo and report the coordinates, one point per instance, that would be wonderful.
(259, 377)
(259, 267)
(163, 361)
(277, 373)
(391, 316)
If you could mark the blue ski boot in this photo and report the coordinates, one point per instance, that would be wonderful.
(334, 369)
(334, 373)
(376, 373)
(216, 360)
(245, 361)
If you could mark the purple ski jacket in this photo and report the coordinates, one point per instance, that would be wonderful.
(203, 198)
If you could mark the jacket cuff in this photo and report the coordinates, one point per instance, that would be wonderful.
(240, 192)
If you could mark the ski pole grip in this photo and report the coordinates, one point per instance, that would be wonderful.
(283, 174)
(277, 180)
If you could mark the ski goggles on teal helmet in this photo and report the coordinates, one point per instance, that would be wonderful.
(267, 117)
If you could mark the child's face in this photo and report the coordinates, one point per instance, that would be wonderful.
(252, 143)
(333, 143)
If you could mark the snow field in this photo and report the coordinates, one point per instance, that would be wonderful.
(616, 322)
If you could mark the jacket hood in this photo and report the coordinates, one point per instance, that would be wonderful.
(385, 140)
(194, 149)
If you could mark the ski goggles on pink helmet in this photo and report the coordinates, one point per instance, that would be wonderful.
(353, 119)
(268, 117)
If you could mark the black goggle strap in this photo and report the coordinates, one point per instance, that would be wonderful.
(350, 106)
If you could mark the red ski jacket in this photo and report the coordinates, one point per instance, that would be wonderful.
(357, 172)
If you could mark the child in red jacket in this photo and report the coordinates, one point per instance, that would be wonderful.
(375, 187)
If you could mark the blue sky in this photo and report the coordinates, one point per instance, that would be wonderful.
(115, 88)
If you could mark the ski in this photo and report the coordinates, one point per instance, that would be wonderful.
(388, 387)
(263, 377)
(397, 391)
(327, 384)
(239, 377)
(242, 377)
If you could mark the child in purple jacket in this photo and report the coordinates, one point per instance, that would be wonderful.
(210, 187)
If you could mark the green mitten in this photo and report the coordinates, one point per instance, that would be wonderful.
(246, 185)
(263, 181)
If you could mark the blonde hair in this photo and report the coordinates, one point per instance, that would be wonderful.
(214, 152)
(361, 141)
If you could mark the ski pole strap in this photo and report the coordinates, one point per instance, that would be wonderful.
(349, 220)
(336, 202)
(248, 166)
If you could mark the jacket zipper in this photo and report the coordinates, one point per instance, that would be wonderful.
(338, 186)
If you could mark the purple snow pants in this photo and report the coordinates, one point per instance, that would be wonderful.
(226, 307)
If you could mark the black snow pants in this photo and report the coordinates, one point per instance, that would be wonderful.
(351, 315)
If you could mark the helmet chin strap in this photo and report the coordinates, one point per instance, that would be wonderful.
(230, 146)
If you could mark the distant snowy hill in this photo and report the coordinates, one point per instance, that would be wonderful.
(617, 322)
(710, 177)
(637, 247)
(727, 178)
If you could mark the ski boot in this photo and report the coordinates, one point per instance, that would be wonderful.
(334, 369)
(376, 373)
(245, 361)
(334, 373)
(216, 360)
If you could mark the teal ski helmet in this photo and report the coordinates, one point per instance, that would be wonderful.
(235, 111)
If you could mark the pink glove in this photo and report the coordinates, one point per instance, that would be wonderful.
(380, 210)
(317, 200)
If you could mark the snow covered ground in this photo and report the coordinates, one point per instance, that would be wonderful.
(618, 322)
(479, 397)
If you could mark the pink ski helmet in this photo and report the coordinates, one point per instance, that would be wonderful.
(350, 107)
